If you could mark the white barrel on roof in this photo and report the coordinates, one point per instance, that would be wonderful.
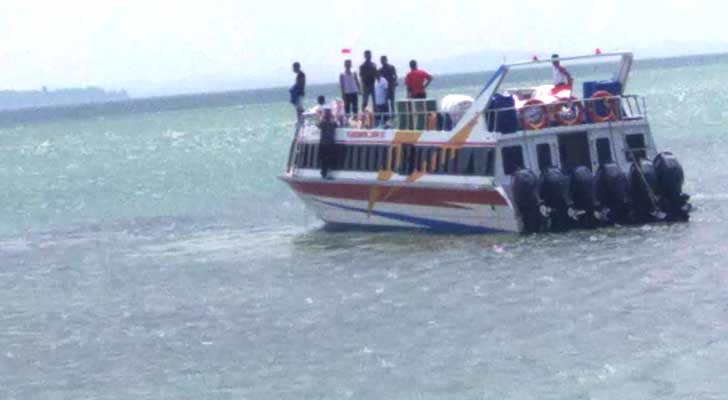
(456, 105)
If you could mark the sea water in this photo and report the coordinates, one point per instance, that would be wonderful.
(156, 256)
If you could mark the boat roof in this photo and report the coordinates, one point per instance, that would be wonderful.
(491, 87)
(624, 55)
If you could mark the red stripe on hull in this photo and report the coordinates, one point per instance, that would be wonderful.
(401, 194)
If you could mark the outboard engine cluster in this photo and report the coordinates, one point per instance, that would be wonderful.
(557, 202)
(554, 191)
(524, 184)
(645, 198)
(613, 193)
(670, 180)
(583, 192)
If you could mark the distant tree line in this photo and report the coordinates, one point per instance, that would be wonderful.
(14, 100)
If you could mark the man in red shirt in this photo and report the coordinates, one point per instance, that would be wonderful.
(417, 81)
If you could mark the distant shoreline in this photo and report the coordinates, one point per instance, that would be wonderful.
(257, 96)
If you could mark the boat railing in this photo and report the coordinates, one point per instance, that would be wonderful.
(415, 120)
(532, 117)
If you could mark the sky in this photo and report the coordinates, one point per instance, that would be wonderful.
(162, 47)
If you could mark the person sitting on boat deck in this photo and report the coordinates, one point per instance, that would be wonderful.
(417, 81)
(389, 72)
(327, 143)
(367, 73)
(318, 109)
(562, 77)
(298, 90)
(381, 110)
(350, 88)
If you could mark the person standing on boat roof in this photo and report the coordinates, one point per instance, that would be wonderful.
(350, 89)
(327, 144)
(381, 88)
(562, 77)
(417, 81)
(389, 73)
(368, 74)
(298, 90)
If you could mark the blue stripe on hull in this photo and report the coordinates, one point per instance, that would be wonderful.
(424, 223)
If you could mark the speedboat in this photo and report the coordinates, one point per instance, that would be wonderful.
(523, 155)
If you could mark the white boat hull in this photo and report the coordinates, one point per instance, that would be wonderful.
(362, 205)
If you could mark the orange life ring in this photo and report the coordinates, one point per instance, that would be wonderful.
(431, 121)
(533, 124)
(610, 103)
(578, 112)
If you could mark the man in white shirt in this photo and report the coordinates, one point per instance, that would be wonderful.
(318, 109)
(381, 108)
(562, 77)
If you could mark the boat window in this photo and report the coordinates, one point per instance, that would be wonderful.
(430, 159)
(356, 153)
(349, 158)
(306, 155)
(420, 158)
(302, 156)
(433, 159)
(340, 156)
(311, 155)
(451, 157)
(543, 152)
(408, 159)
(362, 158)
(604, 151)
(390, 158)
(381, 157)
(441, 158)
(316, 163)
(490, 167)
(635, 146)
(512, 159)
(483, 161)
(465, 162)
(372, 158)
(298, 161)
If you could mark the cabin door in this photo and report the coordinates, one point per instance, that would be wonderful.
(574, 151)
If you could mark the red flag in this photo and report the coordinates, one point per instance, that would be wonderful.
(345, 51)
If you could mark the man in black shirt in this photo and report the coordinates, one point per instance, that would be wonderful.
(298, 90)
(389, 73)
(327, 144)
(367, 74)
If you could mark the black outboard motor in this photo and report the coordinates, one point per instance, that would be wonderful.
(555, 195)
(670, 179)
(583, 193)
(644, 190)
(613, 193)
(524, 185)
